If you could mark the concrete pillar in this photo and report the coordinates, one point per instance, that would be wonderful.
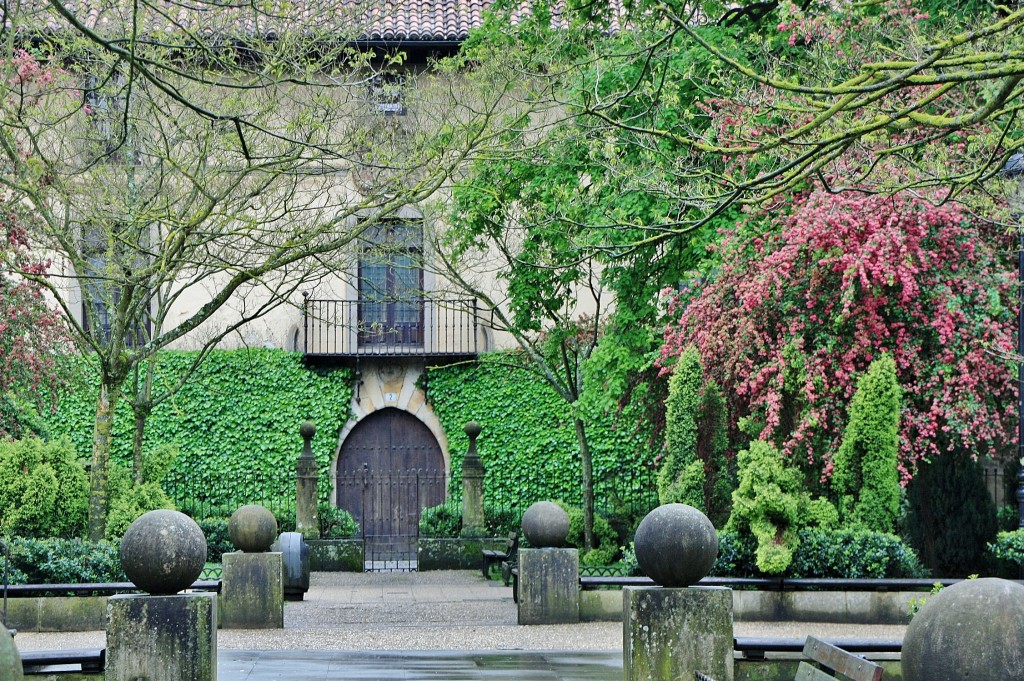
(549, 586)
(162, 638)
(669, 633)
(252, 591)
(472, 486)
(307, 520)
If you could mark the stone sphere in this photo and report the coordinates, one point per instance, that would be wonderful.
(10, 660)
(676, 545)
(252, 528)
(970, 630)
(307, 430)
(546, 525)
(163, 552)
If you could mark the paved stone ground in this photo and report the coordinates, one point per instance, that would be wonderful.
(444, 610)
(426, 625)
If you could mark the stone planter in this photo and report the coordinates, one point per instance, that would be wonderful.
(335, 555)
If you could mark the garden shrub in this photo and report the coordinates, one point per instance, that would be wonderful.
(443, 520)
(500, 521)
(681, 477)
(336, 522)
(44, 489)
(606, 547)
(694, 470)
(218, 541)
(65, 561)
(131, 504)
(1009, 546)
(951, 517)
(772, 505)
(854, 554)
(865, 473)
(1008, 518)
(825, 554)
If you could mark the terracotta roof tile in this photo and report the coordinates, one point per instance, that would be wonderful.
(397, 20)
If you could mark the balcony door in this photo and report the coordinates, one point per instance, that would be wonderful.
(391, 286)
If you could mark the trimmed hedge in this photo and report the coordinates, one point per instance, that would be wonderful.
(839, 554)
(64, 561)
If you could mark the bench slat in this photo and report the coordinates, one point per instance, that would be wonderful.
(807, 672)
(851, 666)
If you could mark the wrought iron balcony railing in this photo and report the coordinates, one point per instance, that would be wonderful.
(422, 327)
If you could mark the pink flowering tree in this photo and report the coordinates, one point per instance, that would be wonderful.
(791, 319)
(33, 336)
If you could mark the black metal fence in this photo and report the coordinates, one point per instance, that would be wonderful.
(423, 326)
(200, 497)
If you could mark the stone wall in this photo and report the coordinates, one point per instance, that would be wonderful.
(848, 607)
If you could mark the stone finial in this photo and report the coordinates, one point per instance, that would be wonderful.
(163, 552)
(252, 528)
(970, 630)
(676, 545)
(472, 429)
(308, 431)
(546, 525)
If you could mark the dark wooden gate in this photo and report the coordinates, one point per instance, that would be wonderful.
(389, 469)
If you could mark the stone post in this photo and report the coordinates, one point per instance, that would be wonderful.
(166, 635)
(472, 486)
(549, 586)
(549, 576)
(670, 632)
(307, 520)
(162, 638)
(252, 586)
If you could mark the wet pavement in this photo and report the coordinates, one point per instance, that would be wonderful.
(234, 665)
(426, 625)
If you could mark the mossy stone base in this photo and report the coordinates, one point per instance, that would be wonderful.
(10, 660)
(162, 638)
(549, 582)
(252, 591)
(667, 634)
(336, 555)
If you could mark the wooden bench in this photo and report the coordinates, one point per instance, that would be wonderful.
(506, 559)
(89, 660)
(833, 663)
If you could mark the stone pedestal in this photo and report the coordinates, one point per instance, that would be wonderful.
(307, 516)
(472, 486)
(252, 591)
(549, 586)
(162, 638)
(667, 634)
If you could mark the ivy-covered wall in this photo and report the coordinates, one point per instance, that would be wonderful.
(236, 422)
(528, 443)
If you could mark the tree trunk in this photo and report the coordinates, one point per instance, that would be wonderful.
(141, 414)
(101, 443)
(588, 485)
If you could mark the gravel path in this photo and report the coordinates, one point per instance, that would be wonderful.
(444, 610)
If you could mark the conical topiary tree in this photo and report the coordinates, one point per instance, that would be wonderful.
(865, 474)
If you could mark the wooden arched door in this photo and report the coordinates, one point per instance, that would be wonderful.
(390, 467)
